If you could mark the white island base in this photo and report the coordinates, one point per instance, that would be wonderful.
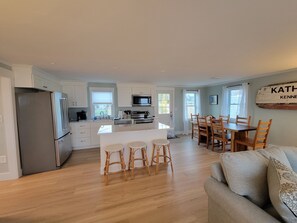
(124, 136)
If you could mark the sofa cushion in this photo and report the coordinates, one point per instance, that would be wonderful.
(282, 182)
(291, 153)
(217, 172)
(274, 152)
(246, 175)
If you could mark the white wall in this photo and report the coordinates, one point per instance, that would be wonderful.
(178, 104)
(8, 129)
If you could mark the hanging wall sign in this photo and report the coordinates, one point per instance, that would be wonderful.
(278, 96)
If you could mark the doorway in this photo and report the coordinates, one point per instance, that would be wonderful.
(165, 106)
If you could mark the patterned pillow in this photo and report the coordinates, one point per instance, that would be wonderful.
(282, 182)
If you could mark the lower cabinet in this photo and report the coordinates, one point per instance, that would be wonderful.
(84, 134)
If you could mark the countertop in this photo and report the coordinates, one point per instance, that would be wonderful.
(92, 121)
(107, 128)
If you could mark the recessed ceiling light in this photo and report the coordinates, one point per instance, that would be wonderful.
(53, 63)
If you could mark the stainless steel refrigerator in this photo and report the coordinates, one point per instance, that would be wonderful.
(44, 133)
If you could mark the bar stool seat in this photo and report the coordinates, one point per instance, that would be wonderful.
(109, 150)
(159, 144)
(135, 146)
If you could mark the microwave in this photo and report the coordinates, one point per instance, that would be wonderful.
(141, 100)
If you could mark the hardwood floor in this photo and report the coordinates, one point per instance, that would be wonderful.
(77, 192)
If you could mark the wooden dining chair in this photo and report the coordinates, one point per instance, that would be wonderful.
(243, 120)
(219, 133)
(203, 130)
(225, 118)
(260, 138)
(194, 122)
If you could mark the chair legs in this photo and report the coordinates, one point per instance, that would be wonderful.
(156, 158)
(108, 163)
(144, 160)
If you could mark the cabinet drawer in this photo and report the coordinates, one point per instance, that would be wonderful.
(82, 126)
(77, 126)
(80, 141)
(80, 132)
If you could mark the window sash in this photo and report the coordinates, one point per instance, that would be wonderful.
(233, 105)
(191, 105)
(94, 90)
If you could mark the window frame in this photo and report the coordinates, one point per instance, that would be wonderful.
(232, 119)
(102, 89)
(158, 107)
(195, 102)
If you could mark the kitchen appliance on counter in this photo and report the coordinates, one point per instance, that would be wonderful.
(81, 115)
(44, 133)
(127, 114)
(141, 100)
(141, 117)
(123, 121)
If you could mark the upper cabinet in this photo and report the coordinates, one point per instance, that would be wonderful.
(28, 76)
(126, 90)
(124, 96)
(144, 90)
(77, 94)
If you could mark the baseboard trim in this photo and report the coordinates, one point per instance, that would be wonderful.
(8, 176)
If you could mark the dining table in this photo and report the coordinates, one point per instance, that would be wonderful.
(238, 132)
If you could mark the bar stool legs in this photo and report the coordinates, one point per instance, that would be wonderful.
(159, 144)
(109, 150)
(134, 147)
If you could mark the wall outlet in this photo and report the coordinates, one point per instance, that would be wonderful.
(3, 159)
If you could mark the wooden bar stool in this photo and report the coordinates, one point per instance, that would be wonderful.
(135, 146)
(159, 144)
(109, 150)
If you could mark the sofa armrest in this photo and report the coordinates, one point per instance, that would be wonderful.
(226, 206)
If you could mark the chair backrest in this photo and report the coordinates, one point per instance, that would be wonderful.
(262, 132)
(217, 128)
(202, 124)
(225, 118)
(209, 118)
(243, 120)
(194, 117)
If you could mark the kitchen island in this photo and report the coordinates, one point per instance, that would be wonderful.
(124, 134)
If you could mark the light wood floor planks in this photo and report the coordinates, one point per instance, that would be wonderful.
(77, 193)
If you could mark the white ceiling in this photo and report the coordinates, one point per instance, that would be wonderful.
(168, 42)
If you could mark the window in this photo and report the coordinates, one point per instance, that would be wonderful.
(102, 102)
(235, 101)
(163, 103)
(191, 103)
(235, 95)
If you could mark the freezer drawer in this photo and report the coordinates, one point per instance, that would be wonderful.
(63, 149)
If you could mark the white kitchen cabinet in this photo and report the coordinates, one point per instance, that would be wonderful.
(28, 76)
(80, 135)
(85, 134)
(124, 96)
(141, 90)
(77, 94)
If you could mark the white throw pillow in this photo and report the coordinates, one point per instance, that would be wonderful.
(282, 184)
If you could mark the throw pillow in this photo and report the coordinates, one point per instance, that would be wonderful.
(246, 174)
(282, 184)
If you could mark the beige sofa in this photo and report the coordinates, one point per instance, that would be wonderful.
(238, 188)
